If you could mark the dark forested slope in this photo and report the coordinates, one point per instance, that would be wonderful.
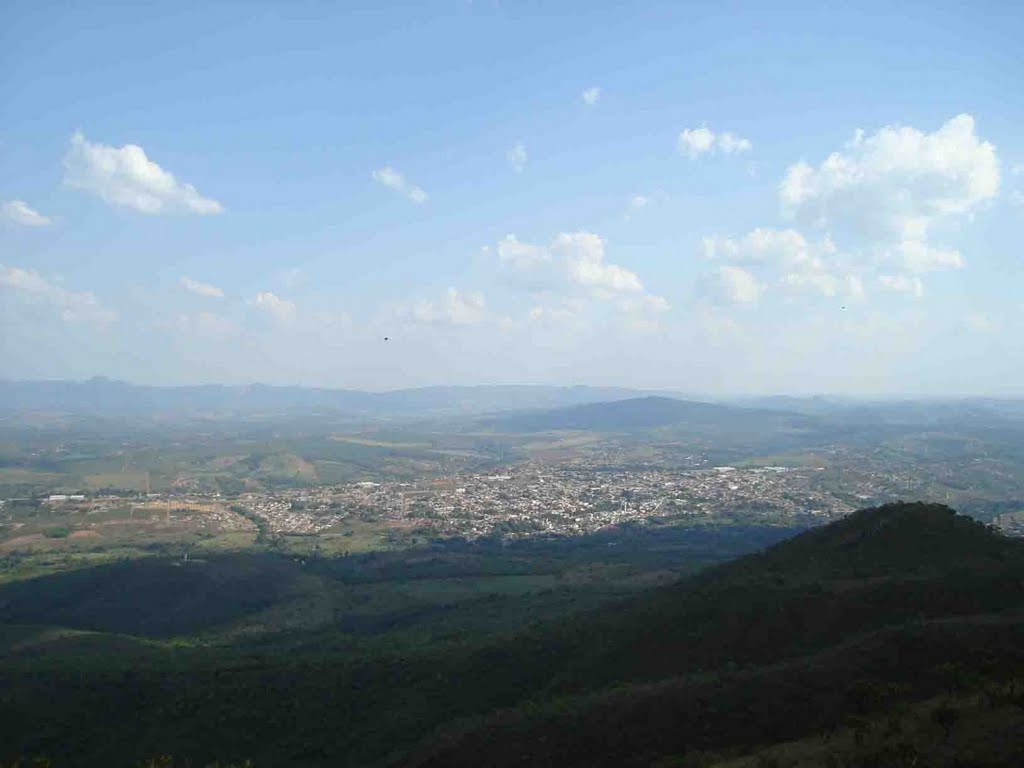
(870, 613)
(888, 607)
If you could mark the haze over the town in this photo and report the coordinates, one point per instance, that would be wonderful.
(661, 195)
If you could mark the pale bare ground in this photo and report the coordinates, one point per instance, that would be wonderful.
(85, 535)
(356, 440)
(18, 541)
(38, 538)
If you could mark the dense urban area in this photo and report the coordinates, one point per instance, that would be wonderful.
(535, 498)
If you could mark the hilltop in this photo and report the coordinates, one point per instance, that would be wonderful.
(890, 596)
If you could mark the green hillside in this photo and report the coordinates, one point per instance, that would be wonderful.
(765, 649)
(641, 413)
(505, 656)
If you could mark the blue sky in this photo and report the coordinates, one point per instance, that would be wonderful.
(715, 199)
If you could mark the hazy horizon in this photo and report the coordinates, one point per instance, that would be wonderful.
(637, 389)
(384, 197)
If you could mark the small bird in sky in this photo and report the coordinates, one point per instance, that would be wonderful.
(385, 338)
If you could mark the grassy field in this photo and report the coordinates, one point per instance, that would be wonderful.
(127, 481)
(38, 538)
(35, 464)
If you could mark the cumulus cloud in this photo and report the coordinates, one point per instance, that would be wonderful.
(572, 280)
(731, 144)
(908, 284)
(392, 179)
(694, 142)
(879, 198)
(641, 313)
(915, 256)
(591, 96)
(454, 308)
(784, 258)
(581, 256)
(19, 212)
(761, 245)
(521, 255)
(201, 289)
(890, 188)
(126, 177)
(584, 257)
(278, 308)
(72, 306)
(734, 285)
(516, 157)
(825, 284)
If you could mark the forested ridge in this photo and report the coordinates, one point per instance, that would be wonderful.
(875, 622)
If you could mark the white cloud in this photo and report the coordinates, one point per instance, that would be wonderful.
(784, 246)
(19, 212)
(517, 158)
(125, 176)
(915, 256)
(785, 258)
(731, 144)
(636, 202)
(880, 197)
(454, 308)
(584, 256)
(735, 285)
(278, 308)
(908, 284)
(822, 283)
(591, 96)
(521, 255)
(72, 306)
(202, 289)
(641, 313)
(694, 142)
(392, 179)
(894, 184)
(572, 275)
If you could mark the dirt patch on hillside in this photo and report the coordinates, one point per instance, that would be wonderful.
(19, 541)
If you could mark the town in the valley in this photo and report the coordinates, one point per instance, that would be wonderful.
(529, 499)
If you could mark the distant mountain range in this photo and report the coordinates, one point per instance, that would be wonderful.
(107, 397)
(641, 413)
(502, 408)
